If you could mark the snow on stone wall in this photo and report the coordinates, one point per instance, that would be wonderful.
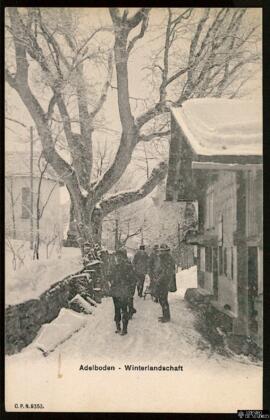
(59, 330)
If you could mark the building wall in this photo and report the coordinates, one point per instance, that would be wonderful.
(254, 217)
(254, 234)
(223, 206)
(236, 229)
(51, 220)
(254, 197)
(220, 220)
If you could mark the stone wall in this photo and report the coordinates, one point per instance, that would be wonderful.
(23, 321)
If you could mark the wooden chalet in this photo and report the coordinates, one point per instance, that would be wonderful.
(216, 159)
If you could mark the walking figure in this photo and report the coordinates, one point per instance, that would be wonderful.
(122, 284)
(132, 288)
(153, 270)
(140, 264)
(165, 277)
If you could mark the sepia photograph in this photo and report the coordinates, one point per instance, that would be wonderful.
(133, 210)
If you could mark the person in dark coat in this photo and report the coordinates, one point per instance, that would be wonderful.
(140, 264)
(131, 309)
(122, 281)
(165, 277)
(153, 269)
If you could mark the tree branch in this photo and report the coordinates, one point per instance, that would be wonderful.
(51, 41)
(152, 136)
(162, 88)
(144, 26)
(20, 53)
(138, 17)
(123, 199)
(144, 118)
(105, 88)
(16, 121)
(130, 235)
(129, 134)
(62, 168)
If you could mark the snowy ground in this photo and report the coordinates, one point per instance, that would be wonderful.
(34, 277)
(208, 382)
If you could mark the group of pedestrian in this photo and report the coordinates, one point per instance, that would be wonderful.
(125, 276)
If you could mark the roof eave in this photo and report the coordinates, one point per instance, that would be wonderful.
(191, 140)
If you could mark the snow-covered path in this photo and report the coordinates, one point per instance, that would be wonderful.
(147, 339)
(214, 382)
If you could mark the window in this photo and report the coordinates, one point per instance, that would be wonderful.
(208, 259)
(225, 261)
(220, 260)
(25, 203)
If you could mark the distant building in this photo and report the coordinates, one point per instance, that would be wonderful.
(216, 159)
(18, 212)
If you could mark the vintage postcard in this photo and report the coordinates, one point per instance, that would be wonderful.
(133, 208)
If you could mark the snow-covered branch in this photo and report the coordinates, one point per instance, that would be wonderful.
(154, 135)
(20, 83)
(128, 197)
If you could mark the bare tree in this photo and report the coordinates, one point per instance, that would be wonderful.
(40, 207)
(125, 230)
(221, 57)
(218, 53)
(18, 256)
(50, 240)
(13, 202)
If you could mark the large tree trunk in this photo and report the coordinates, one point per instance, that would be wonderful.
(86, 222)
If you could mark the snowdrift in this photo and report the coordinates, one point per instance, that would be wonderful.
(59, 330)
(30, 281)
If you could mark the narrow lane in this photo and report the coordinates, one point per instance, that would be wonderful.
(207, 383)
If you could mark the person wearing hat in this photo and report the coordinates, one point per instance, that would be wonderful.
(153, 268)
(140, 264)
(122, 280)
(165, 275)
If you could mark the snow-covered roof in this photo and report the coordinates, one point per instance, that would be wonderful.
(217, 126)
